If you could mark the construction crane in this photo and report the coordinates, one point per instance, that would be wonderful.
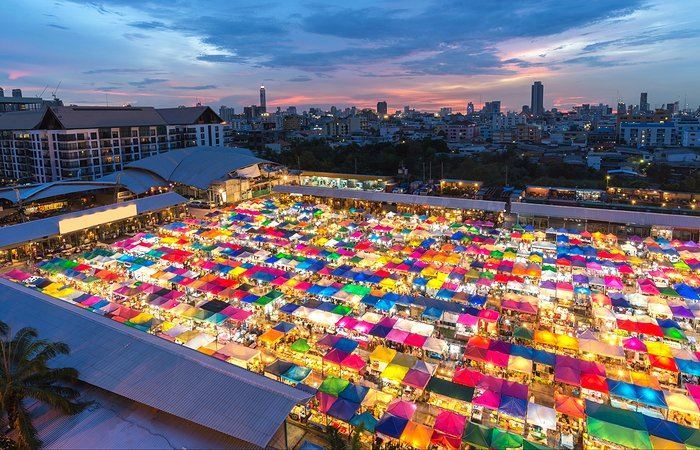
(53, 94)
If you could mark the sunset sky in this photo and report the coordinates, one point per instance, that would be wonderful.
(426, 54)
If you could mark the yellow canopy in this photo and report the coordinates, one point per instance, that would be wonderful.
(681, 403)
(545, 337)
(658, 349)
(382, 354)
(395, 372)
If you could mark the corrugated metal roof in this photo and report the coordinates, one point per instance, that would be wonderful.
(43, 228)
(76, 117)
(153, 371)
(607, 215)
(406, 199)
(42, 191)
(182, 116)
(197, 166)
(20, 120)
(137, 181)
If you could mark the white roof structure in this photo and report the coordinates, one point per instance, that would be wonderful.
(640, 218)
(387, 197)
(51, 226)
(153, 371)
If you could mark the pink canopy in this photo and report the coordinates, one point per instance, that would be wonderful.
(488, 399)
(497, 358)
(468, 320)
(347, 322)
(402, 408)
(450, 423)
(325, 401)
(634, 344)
(354, 362)
(396, 335)
(416, 378)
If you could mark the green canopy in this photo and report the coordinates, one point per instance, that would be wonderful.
(527, 445)
(668, 291)
(342, 310)
(674, 333)
(301, 346)
(477, 435)
(449, 389)
(333, 385)
(523, 333)
(619, 426)
(505, 440)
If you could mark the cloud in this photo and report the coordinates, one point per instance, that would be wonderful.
(149, 25)
(218, 57)
(299, 79)
(122, 71)
(55, 25)
(650, 37)
(147, 82)
(135, 36)
(202, 87)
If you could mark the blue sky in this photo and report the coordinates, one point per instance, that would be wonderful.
(426, 54)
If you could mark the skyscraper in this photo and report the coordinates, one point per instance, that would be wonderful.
(263, 99)
(537, 99)
(643, 102)
(382, 108)
(470, 108)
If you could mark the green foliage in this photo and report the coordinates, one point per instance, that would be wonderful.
(25, 374)
(336, 441)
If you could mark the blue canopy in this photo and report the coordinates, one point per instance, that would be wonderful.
(343, 409)
(366, 420)
(391, 426)
(354, 393)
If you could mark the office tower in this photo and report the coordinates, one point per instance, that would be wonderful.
(406, 109)
(226, 113)
(537, 99)
(263, 99)
(470, 108)
(621, 109)
(643, 103)
(492, 107)
(382, 108)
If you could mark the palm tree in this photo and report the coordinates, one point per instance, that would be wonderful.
(25, 374)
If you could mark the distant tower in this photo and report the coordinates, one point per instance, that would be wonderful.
(643, 102)
(382, 108)
(537, 99)
(263, 99)
(470, 108)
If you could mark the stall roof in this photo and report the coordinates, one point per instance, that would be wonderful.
(153, 371)
(387, 197)
(43, 228)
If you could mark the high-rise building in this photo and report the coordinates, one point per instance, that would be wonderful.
(19, 103)
(621, 109)
(89, 142)
(406, 109)
(263, 99)
(226, 113)
(445, 111)
(643, 102)
(492, 107)
(537, 99)
(470, 108)
(382, 108)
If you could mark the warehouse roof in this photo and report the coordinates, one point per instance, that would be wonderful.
(153, 371)
(197, 166)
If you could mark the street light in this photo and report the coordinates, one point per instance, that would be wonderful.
(607, 181)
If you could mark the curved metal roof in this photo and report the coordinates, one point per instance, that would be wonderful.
(197, 166)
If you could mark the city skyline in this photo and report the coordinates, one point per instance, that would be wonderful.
(155, 53)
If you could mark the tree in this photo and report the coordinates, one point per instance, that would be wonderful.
(335, 440)
(25, 374)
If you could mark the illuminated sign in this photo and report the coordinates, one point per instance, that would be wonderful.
(92, 220)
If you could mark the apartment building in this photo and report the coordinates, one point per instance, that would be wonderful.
(88, 142)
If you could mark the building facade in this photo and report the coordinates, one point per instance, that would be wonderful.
(68, 142)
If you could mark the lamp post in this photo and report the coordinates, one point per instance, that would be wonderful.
(607, 182)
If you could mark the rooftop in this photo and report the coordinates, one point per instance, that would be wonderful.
(154, 372)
